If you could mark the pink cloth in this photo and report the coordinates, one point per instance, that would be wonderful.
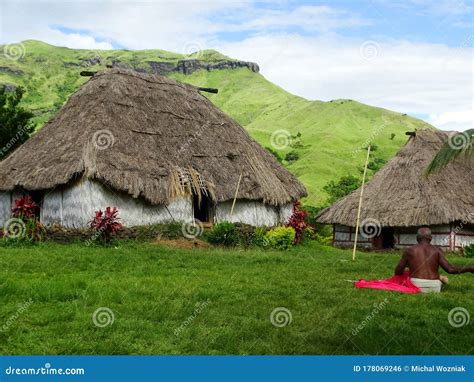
(400, 284)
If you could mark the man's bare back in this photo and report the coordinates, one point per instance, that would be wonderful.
(424, 259)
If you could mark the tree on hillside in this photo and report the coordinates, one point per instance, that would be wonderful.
(15, 122)
(375, 162)
(339, 189)
(456, 145)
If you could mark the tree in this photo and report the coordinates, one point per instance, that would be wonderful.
(456, 145)
(292, 156)
(375, 164)
(15, 122)
(339, 189)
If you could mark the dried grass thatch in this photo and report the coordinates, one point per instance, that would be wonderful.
(401, 195)
(151, 137)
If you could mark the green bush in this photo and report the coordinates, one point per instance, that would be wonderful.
(246, 234)
(259, 237)
(223, 233)
(280, 237)
(172, 230)
(292, 156)
(27, 231)
(309, 234)
(469, 250)
(322, 239)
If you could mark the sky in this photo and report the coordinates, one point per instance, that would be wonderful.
(412, 56)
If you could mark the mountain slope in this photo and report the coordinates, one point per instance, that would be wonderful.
(332, 133)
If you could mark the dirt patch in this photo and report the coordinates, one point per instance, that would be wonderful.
(184, 243)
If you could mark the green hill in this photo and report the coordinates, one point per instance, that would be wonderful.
(332, 134)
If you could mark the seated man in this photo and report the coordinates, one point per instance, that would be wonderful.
(424, 260)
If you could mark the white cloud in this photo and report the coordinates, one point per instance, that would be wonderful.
(412, 78)
(453, 120)
(165, 25)
(76, 40)
(310, 18)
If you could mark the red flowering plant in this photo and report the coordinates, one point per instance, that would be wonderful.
(106, 223)
(25, 208)
(297, 221)
(24, 224)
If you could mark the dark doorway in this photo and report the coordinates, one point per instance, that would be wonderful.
(37, 197)
(203, 209)
(385, 240)
(388, 239)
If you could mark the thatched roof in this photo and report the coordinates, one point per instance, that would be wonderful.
(400, 195)
(162, 138)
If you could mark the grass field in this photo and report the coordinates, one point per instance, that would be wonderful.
(214, 301)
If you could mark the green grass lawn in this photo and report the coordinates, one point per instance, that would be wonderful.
(216, 301)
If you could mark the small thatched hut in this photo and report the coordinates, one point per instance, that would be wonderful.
(400, 198)
(155, 148)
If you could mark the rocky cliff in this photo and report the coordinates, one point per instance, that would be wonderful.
(189, 66)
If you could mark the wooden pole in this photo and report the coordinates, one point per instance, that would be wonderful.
(360, 204)
(236, 191)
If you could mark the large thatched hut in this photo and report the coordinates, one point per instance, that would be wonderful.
(153, 147)
(400, 198)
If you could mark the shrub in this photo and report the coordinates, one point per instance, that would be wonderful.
(342, 187)
(35, 231)
(15, 121)
(292, 156)
(23, 231)
(259, 237)
(297, 221)
(309, 234)
(24, 225)
(280, 238)
(223, 233)
(106, 224)
(25, 208)
(312, 212)
(246, 234)
(323, 239)
(172, 230)
(469, 250)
